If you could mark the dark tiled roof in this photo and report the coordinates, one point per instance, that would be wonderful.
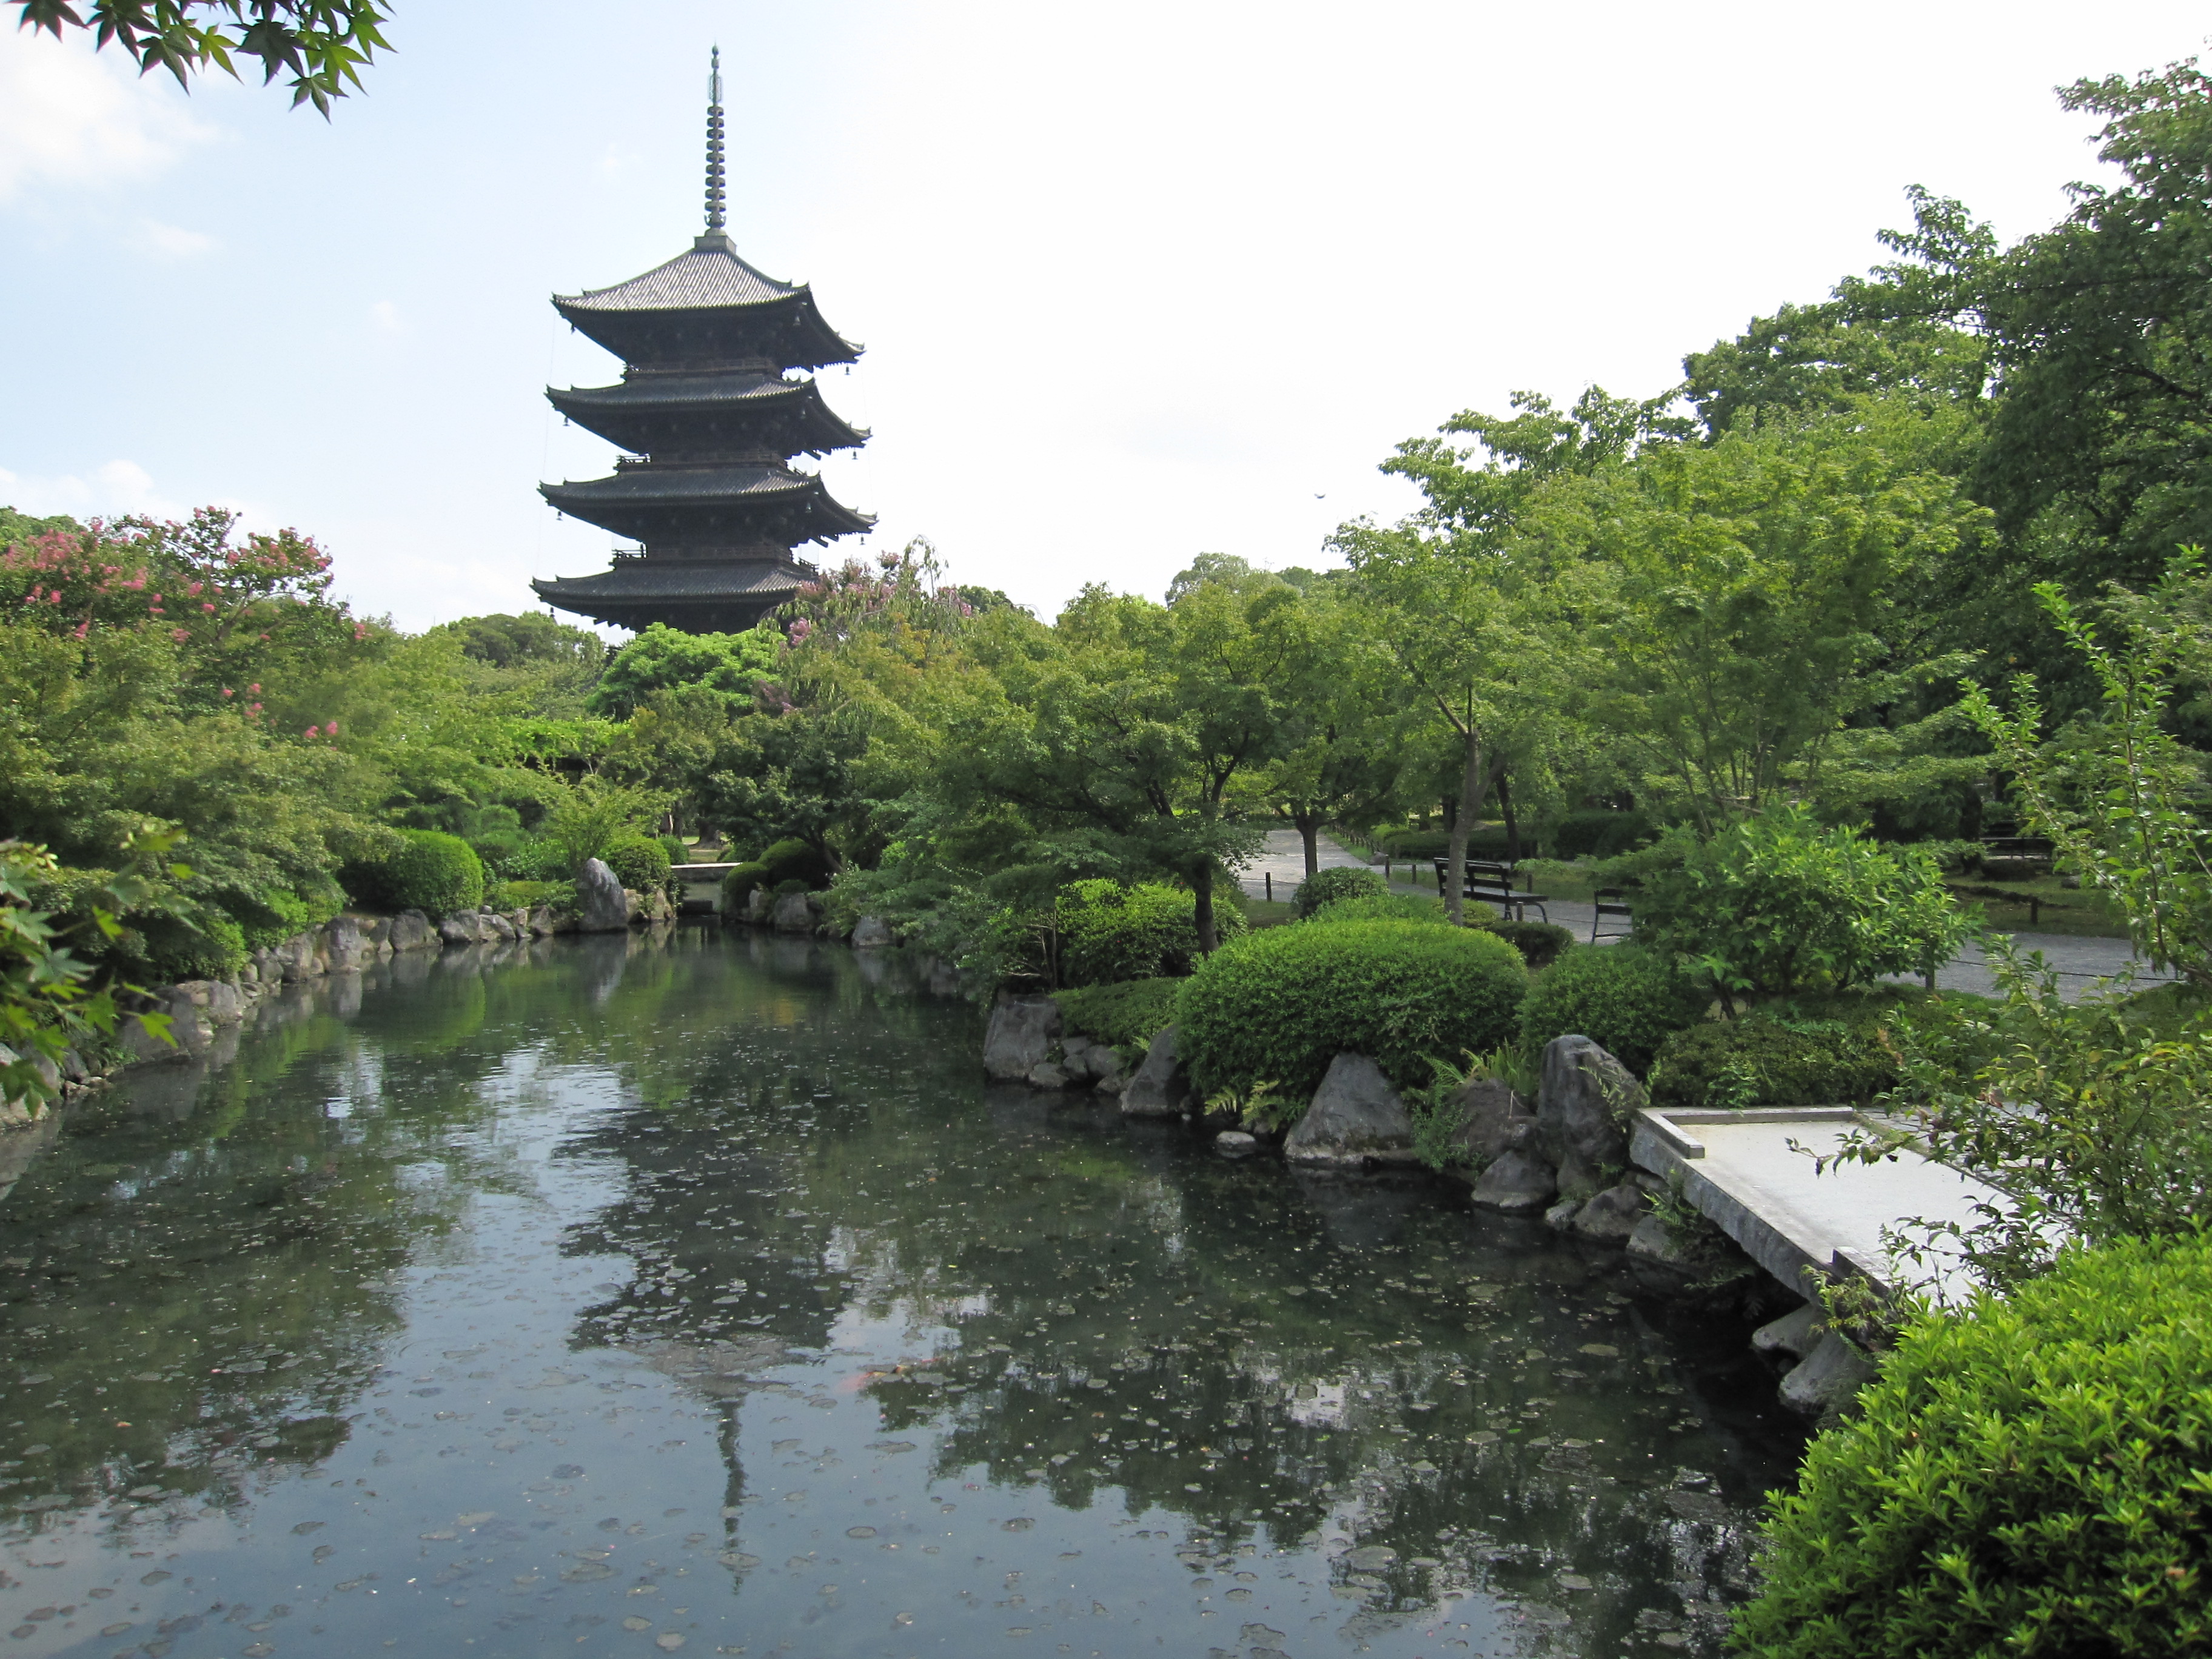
(703, 276)
(658, 391)
(675, 578)
(653, 485)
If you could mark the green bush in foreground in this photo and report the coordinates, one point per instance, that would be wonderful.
(640, 863)
(1108, 932)
(429, 871)
(1127, 1015)
(1384, 907)
(1626, 1001)
(2026, 1479)
(1327, 886)
(1539, 943)
(1284, 1002)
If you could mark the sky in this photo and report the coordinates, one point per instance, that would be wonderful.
(1135, 282)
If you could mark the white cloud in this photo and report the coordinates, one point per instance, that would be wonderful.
(73, 118)
(108, 491)
(171, 241)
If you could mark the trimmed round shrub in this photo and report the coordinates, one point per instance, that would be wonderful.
(786, 889)
(1384, 907)
(1539, 943)
(429, 871)
(1327, 886)
(1286, 1001)
(1764, 1061)
(678, 852)
(639, 862)
(739, 882)
(2024, 1478)
(1108, 932)
(794, 859)
(1626, 1001)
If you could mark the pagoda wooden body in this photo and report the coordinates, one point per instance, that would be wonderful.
(717, 397)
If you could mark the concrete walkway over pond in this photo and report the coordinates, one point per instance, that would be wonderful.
(2082, 964)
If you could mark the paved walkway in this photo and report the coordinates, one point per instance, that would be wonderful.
(2082, 964)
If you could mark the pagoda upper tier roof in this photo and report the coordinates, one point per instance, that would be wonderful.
(685, 504)
(675, 410)
(679, 579)
(708, 306)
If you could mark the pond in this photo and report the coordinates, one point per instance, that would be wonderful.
(637, 1294)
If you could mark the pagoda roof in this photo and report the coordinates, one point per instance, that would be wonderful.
(630, 411)
(708, 305)
(677, 579)
(681, 501)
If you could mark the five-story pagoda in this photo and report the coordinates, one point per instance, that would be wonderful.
(712, 416)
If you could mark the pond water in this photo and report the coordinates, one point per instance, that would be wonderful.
(631, 1295)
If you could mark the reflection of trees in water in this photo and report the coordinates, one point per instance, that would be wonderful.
(198, 1273)
(1312, 1355)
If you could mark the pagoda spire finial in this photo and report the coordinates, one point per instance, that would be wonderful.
(715, 143)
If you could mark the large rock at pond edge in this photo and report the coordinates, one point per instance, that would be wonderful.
(758, 903)
(412, 930)
(349, 944)
(1654, 1242)
(1356, 1116)
(462, 927)
(1161, 1087)
(1019, 1037)
(1582, 1112)
(1825, 1380)
(1518, 1183)
(602, 906)
(1492, 1119)
(1611, 1216)
(794, 914)
(870, 933)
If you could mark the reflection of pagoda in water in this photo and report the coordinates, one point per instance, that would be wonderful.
(712, 418)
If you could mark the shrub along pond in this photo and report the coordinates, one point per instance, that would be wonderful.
(689, 1289)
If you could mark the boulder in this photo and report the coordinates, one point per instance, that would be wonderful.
(1582, 1112)
(1046, 1075)
(412, 930)
(1654, 1242)
(794, 914)
(660, 908)
(871, 934)
(1519, 1183)
(1561, 1216)
(347, 944)
(225, 1003)
(462, 927)
(599, 899)
(1827, 1379)
(1075, 1056)
(1611, 1216)
(1794, 1334)
(1105, 1062)
(759, 904)
(1492, 1119)
(541, 920)
(1161, 1087)
(1356, 1117)
(491, 924)
(1020, 1036)
(1236, 1143)
(524, 927)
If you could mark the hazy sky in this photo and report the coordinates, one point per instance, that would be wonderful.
(1135, 280)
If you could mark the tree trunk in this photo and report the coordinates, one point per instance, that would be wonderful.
(1309, 833)
(1202, 888)
(1468, 808)
(1505, 806)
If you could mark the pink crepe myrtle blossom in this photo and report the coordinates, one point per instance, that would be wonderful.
(331, 729)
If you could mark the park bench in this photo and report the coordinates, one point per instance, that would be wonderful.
(1611, 901)
(1493, 883)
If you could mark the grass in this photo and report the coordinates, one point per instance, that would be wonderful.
(2042, 906)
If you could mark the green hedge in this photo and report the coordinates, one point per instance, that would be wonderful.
(640, 863)
(1108, 932)
(1485, 841)
(208, 946)
(1539, 943)
(2026, 1479)
(1764, 1060)
(1327, 886)
(1286, 1001)
(1127, 1015)
(794, 859)
(1626, 1001)
(1600, 835)
(739, 882)
(1384, 907)
(429, 871)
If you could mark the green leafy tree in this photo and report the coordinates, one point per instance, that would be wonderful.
(734, 666)
(585, 820)
(323, 44)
